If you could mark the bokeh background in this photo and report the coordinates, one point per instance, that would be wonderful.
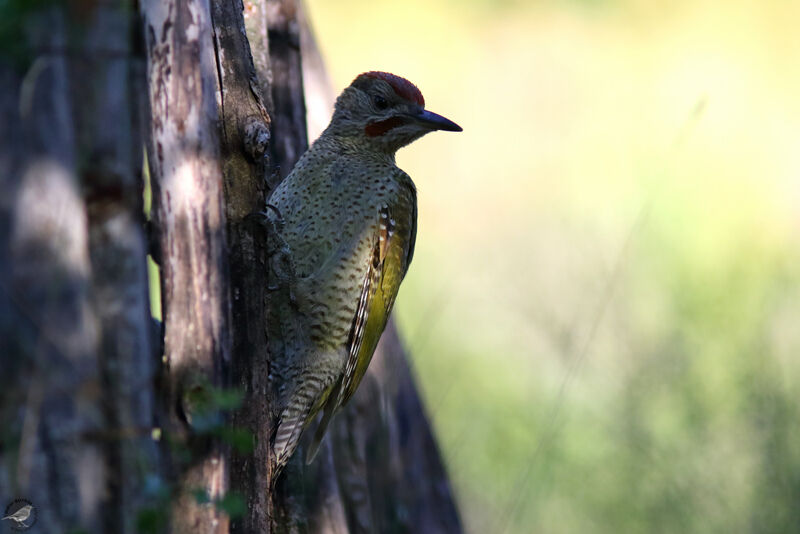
(604, 307)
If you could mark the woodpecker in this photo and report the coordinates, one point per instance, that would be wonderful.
(347, 217)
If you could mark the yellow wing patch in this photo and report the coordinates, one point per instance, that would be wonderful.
(387, 267)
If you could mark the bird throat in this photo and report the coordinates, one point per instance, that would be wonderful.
(374, 129)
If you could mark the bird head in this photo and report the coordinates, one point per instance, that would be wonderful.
(386, 112)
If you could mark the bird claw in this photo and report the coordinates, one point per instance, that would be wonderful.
(278, 251)
(272, 221)
(284, 280)
(274, 179)
(279, 222)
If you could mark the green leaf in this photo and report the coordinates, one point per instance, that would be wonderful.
(240, 439)
(201, 496)
(151, 520)
(232, 504)
(227, 399)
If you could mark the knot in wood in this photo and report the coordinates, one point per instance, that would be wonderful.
(256, 138)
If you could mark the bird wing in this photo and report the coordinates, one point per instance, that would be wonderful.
(20, 515)
(391, 254)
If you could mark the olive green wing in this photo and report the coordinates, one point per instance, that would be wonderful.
(391, 255)
(389, 265)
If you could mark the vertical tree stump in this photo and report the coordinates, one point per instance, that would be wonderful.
(77, 383)
(187, 180)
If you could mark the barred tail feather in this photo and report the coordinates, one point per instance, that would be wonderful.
(330, 409)
(287, 437)
(312, 393)
(294, 419)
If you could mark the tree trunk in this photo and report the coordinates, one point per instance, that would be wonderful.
(187, 180)
(77, 405)
(245, 136)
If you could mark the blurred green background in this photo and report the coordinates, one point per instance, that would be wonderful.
(603, 307)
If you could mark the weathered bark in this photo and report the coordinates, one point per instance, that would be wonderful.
(190, 220)
(245, 136)
(76, 382)
(257, 31)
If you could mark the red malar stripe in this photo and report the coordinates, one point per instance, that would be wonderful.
(375, 129)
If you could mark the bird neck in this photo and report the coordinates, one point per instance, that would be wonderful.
(355, 145)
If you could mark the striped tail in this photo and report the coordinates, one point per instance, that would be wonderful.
(330, 409)
(303, 405)
(287, 436)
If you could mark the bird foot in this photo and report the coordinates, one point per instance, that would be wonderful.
(282, 269)
(274, 178)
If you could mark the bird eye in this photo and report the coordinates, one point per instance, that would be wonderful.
(380, 102)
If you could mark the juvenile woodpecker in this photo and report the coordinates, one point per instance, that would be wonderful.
(348, 218)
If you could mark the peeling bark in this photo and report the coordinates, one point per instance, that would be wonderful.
(245, 140)
(187, 183)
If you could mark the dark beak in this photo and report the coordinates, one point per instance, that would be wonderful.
(434, 121)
